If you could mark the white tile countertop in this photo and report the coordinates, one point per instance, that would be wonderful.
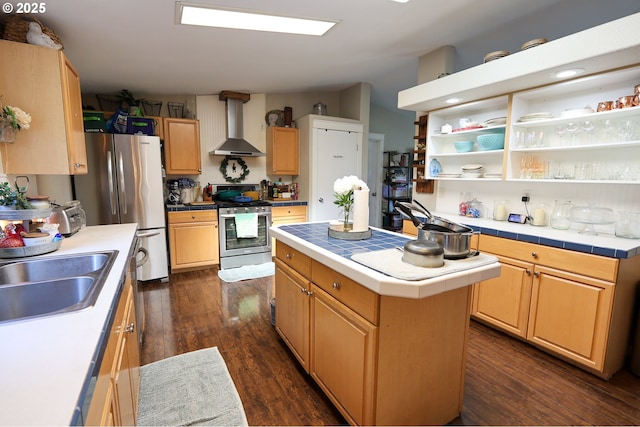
(45, 363)
(312, 239)
(604, 244)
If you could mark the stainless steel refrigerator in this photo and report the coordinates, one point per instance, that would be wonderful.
(124, 185)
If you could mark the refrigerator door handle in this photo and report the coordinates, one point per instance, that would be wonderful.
(123, 190)
(112, 194)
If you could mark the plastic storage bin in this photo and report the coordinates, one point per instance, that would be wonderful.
(94, 121)
(137, 125)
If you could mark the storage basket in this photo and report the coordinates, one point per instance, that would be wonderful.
(16, 28)
(137, 125)
(175, 109)
(151, 108)
(109, 103)
(94, 121)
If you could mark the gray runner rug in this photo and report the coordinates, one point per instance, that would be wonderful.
(189, 389)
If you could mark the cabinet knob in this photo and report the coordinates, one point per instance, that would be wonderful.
(303, 290)
(527, 272)
(321, 200)
(129, 329)
(288, 256)
(335, 285)
(534, 254)
(536, 274)
(193, 217)
(309, 293)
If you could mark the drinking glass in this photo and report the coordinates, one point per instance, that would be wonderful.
(560, 131)
(573, 129)
(589, 127)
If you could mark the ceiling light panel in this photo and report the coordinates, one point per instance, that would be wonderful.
(212, 16)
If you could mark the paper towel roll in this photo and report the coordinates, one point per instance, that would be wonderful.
(360, 210)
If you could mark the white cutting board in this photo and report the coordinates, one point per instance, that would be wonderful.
(389, 262)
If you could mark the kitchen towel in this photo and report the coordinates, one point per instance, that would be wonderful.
(246, 225)
(192, 388)
(389, 262)
(360, 210)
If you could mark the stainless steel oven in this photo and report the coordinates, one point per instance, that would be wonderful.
(238, 251)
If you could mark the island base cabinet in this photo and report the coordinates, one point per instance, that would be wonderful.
(343, 357)
(292, 311)
(422, 347)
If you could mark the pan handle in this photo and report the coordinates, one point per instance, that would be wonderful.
(405, 209)
(422, 209)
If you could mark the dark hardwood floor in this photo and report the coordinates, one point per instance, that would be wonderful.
(508, 382)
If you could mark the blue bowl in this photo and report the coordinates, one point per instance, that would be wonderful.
(463, 146)
(491, 141)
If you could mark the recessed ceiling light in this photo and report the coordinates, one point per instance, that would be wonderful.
(212, 16)
(568, 73)
(401, 1)
(452, 100)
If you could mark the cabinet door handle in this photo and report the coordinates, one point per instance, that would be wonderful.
(536, 274)
(321, 200)
(303, 290)
(527, 271)
(534, 254)
(78, 165)
(335, 285)
(309, 293)
(129, 329)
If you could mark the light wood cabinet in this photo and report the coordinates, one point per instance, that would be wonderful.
(115, 397)
(42, 82)
(379, 359)
(193, 239)
(283, 151)
(181, 146)
(287, 215)
(504, 301)
(577, 306)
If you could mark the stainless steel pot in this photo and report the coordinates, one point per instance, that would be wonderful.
(423, 253)
(454, 245)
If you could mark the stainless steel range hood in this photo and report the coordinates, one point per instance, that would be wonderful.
(235, 144)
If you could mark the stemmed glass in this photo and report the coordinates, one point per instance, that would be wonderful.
(573, 129)
(588, 126)
(560, 131)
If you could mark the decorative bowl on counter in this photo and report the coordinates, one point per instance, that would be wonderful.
(463, 146)
(491, 141)
(590, 216)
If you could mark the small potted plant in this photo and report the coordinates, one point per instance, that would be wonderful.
(132, 102)
(11, 198)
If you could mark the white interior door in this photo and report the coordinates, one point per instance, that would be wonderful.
(336, 154)
(374, 178)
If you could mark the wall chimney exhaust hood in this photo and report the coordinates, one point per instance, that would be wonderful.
(235, 144)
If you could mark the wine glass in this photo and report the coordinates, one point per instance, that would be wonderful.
(588, 126)
(573, 129)
(560, 131)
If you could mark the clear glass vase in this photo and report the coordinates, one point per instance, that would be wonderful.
(7, 132)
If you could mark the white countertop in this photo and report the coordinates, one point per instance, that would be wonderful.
(378, 282)
(45, 361)
(603, 243)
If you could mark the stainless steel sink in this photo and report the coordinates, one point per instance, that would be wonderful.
(39, 269)
(52, 285)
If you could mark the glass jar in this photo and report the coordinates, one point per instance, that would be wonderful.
(475, 209)
(560, 215)
(500, 210)
(628, 225)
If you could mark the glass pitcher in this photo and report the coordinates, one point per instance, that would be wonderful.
(560, 215)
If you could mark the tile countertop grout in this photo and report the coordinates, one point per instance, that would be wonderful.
(47, 360)
(602, 244)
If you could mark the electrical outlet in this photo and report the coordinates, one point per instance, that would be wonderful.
(525, 198)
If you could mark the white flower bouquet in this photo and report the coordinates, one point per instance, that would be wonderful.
(17, 118)
(343, 191)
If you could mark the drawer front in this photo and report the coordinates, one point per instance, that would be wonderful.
(355, 296)
(192, 216)
(284, 211)
(576, 262)
(294, 259)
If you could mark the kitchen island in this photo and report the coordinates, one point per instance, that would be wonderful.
(47, 362)
(386, 351)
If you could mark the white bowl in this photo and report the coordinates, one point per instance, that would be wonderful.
(38, 239)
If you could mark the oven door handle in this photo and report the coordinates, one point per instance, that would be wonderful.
(267, 214)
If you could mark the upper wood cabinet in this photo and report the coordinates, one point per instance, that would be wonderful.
(283, 155)
(42, 82)
(182, 146)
